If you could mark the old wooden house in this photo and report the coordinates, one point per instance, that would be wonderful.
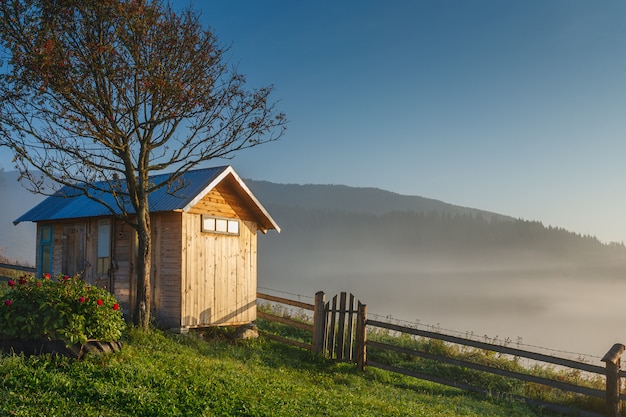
(204, 247)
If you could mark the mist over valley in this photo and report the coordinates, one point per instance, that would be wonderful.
(457, 268)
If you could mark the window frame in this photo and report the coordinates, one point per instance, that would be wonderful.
(220, 225)
(45, 245)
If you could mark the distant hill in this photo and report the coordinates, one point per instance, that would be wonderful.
(336, 236)
(355, 200)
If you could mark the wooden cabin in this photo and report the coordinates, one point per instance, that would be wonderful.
(204, 247)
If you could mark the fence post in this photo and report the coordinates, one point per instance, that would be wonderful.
(361, 322)
(319, 322)
(613, 381)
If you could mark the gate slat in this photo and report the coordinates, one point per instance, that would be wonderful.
(341, 327)
(349, 334)
(331, 330)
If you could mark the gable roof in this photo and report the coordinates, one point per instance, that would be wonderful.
(182, 195)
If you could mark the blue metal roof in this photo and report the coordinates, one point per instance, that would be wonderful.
(70, 203)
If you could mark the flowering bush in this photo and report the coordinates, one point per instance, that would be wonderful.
(62, 307)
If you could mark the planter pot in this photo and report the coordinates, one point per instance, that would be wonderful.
(57, 347)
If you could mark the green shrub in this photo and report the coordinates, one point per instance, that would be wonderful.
(62, 308)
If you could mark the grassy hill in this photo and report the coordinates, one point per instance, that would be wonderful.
(167, 375)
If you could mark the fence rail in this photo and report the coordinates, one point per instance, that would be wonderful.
(333, 326)
(286, 320)
(493, 347)
(18, 267)
(564, 386)
(287, 301)
(13, 267)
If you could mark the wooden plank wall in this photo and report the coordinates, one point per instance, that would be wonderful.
(123, 288)
(167, 268)
(57, 247)
(219, 278)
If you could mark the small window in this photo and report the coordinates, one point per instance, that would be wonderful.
(220, 225)
(233, 227)
(104, 247)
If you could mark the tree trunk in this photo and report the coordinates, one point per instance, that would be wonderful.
(144, 245)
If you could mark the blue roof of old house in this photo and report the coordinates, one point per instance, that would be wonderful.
(181, 195)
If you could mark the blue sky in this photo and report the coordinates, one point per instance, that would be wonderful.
(516, 107)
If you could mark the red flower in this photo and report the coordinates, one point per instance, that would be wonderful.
(116, 306)
(8, 303)
(66, 277)
(99, 301)
(38, 284)
(11, 283)
(46, 275)
(81, 300)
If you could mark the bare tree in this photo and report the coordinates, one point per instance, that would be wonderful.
(98, 91)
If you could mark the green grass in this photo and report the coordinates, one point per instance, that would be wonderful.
(501, 385)
(167, 375)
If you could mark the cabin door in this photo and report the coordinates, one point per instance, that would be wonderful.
(73, 257)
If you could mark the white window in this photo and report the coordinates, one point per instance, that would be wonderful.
(220, 225)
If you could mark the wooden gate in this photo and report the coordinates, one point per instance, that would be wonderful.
(344, 329)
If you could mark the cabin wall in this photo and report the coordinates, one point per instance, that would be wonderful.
(166, 268)
(74, 251)
(219, 278)
(123, 284)
(57, 247)
(69, 247)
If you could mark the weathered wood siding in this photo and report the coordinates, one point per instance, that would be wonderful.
(74, 241)
(123, 247)
(166, 269)
(57, 246)
(91, 240)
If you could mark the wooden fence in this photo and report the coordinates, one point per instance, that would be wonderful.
(12, 267)
(339, 332)
(288, 321)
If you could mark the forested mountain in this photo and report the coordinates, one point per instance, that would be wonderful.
(355, 200)
(336, 234)
(367, 217)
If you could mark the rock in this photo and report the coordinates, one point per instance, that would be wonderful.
(248, 331)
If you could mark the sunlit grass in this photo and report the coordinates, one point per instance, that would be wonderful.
(168, 375)
(499, 385)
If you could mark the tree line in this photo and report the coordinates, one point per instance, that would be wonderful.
(435, 232)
